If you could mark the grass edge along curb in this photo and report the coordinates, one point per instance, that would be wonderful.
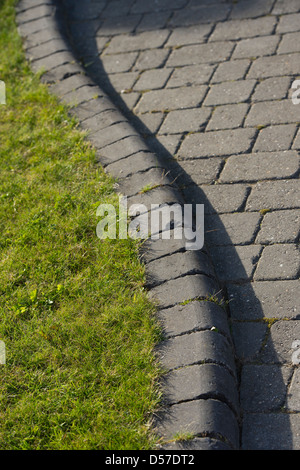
(79, 330)
(212, 414)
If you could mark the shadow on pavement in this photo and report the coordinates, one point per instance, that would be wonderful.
(82, 19)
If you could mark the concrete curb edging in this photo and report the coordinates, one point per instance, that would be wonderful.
(200, 386)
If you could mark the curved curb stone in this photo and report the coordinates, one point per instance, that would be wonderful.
(200, 387)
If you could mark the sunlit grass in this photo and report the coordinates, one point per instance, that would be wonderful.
(78, 327)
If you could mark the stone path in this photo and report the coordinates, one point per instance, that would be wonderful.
(196, 98)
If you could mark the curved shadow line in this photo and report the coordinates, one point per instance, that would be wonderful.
(98, 74)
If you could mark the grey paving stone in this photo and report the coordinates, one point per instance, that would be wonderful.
(204, 14)
(199, 171)
(274, 88)
(88, 50)
(121, 149)
(88, 11)
(227, 116)
(114, 133)
(83, 30)
(81, 95)
(201, 381)
(296, 144)
(24, 5)
(200, 53)
(38, 24)
(101, 120)
(235, 263)
(45, 49)
(231, 70)
(153, 21)
(52, 61)
(177, 265)
(159, 268)
(264, 299)
(137, 42)
(293, 396)
(263, 387)
(256, 47)
(123, 81)
(151, 202)
(155, 249)
(180, 121)
(275, 138)
(164, 144)
(152, 79)
(40, 37)
(200, 417)
(117, 7)
(280, 261)
(60, 73)
(289, 43)
(216, 143)
(194, 316)
(195, 4)
(93, 107)
(284, 6)
(162, 100)
(219, 198)
(118, 62)
(283, 194)
(248, 339)
(248, 9)
(260, 166)
(239, 29)
(229, 92)
(280, 227)
(158, 195)
(272, 112)
(116, 25)
(231, 229)
(136, 183)
(275, 65)
(69, 84)
(191, 75)
(149, 123)
(138, 162)
(288, 23)
(278, 348)
(189, 35)
(186, 288)
(274, 431)
(195, 348)
(130, 100)
(143, 6)
(151, 59)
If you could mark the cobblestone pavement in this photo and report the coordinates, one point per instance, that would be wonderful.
(209, 87)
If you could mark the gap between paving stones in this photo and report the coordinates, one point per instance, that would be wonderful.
(202, 347)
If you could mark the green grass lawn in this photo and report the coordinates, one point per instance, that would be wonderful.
(78, 327)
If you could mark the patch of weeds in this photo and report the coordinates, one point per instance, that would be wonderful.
(182, 436)
(149, 187)
(208, 298)
(264, 211)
